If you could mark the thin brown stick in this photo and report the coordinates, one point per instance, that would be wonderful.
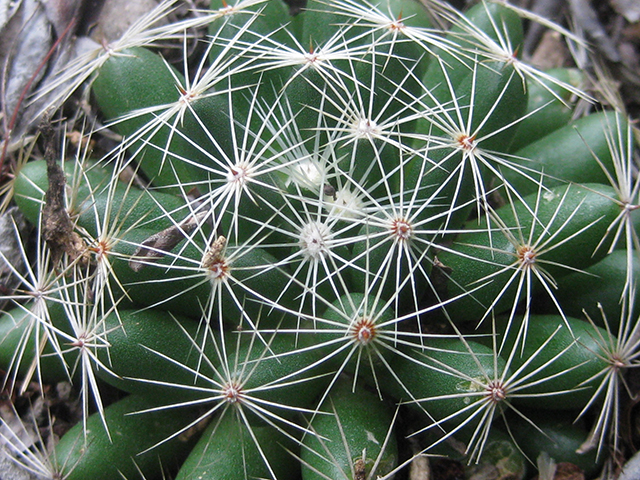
(57, 227)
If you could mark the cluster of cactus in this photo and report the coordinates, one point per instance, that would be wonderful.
(340, 229)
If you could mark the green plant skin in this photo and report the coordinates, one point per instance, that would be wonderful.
(398, 63)
(180, 285)
(370, 257)
(170, 283)
(501, 459)
(368, 162)
(484, 85)
(267, 20)
(248, 211)
(601, 284)
(476, 257)
(192, 151)
(502, 85)
(227, 451)
(18, 322)
(267, 24)
(556, 434)
(128, 205)
(271, 17)
(546, 110)
(31, 183)
(356, 426)
(153, 346)
(444, 367)
(454, 85)
(97, 457)
(583, 359)
(480, 90)
(136, 79)
(440, 376)
(307, 90)
(260, 285)
(497, 93)
(568, 154)
(134, 71)
(322, 21)
(410, 13)
(138, 339)
(484, 16)
(261, 367)
(341, 321)
(156, 211)
(296, 21)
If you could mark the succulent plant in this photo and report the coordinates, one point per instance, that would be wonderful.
(335, 221)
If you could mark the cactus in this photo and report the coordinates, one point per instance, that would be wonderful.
(344, 207)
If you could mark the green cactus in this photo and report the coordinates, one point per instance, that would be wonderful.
(341, 205)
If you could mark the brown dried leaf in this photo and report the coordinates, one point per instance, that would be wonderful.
(159, 244)
(213, 255)
(57, 228)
